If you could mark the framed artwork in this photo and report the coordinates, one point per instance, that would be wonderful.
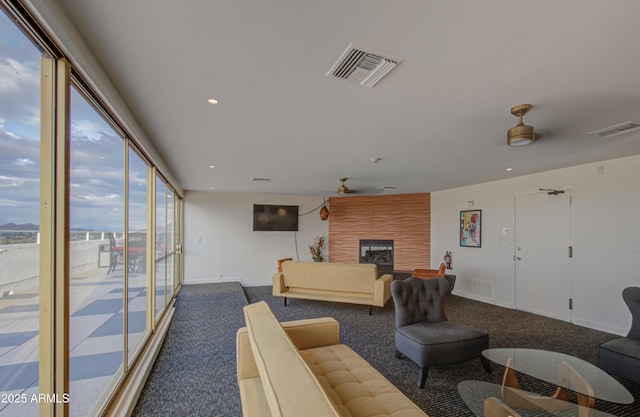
(471, 228)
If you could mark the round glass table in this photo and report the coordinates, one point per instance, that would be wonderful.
(475, 393)
(551, 366)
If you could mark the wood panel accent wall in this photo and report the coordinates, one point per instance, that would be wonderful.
(403, 218)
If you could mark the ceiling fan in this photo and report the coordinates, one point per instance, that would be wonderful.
(521, 134)
(343, 189)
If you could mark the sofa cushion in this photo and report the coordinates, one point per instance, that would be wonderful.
(343, 277)
(290, 388)
(624, 346)
(437, 343)
(354, 386)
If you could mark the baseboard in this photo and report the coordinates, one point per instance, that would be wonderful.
(257, 284)
(576, 320)
(487, 300)
(212, 280)
(600, 326)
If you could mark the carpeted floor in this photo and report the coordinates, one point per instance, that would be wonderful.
(195, 371)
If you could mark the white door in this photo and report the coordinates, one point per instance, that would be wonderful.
(542, 254)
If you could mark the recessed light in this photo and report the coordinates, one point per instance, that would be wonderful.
(212, 166)
(212, 101)
(211, 188)
(509, 169)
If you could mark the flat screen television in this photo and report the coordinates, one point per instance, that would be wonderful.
(275, 218)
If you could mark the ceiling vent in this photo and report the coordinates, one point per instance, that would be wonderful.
(363, 66)
(607, 132)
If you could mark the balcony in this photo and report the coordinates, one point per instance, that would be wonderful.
(96, 322)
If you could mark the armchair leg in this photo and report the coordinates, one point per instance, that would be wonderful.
(422, 376)
(370, 309)
(486, 364)
(285, 301)
(399, 355)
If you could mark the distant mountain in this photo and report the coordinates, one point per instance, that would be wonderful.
(13, 226)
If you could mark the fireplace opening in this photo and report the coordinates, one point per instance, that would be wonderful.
(379, 252)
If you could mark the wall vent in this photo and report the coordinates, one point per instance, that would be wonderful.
(482, 288)
(257, 179)
(607, 132)
(363, 66)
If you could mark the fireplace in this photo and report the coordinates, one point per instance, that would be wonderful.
(379, 252)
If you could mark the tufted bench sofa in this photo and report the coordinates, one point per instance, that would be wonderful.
(333, 281)
(299, 368)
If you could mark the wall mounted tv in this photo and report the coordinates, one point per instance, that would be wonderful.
(275, 218)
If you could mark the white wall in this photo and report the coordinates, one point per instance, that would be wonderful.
(218, 237)
(606, 238)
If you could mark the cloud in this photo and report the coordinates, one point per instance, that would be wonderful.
(14, 75)
(87, 130)
(10, 182)
(25, 162)
(10, 203)
(97, 153)
(20, 91)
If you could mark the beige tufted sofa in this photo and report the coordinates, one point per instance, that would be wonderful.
(332, 281)
(300, 369)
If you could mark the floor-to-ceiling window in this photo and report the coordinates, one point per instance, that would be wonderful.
(79, 262)
(96, 218)
(161, 247)
(19, 220)
(137, 229)
(170, 243)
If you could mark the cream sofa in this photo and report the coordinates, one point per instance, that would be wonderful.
(300, 369)
(329, 281)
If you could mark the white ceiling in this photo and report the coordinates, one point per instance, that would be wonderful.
(438, 121)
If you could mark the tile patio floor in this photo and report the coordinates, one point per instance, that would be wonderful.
(96, 340)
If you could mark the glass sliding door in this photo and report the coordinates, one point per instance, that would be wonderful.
(161, 246)
(19, 220)
(137, 250)
(178, 243)
(170, 236)
(98, 257)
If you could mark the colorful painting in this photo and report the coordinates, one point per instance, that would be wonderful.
(470, 228)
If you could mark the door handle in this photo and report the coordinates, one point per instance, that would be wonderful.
(517, 258)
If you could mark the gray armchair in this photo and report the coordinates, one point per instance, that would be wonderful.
(423, 333)
(621, 357)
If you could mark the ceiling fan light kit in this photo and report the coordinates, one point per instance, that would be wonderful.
(521, 134)
(343, 188)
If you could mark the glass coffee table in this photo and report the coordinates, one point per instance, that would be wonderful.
(476, 393)
(565, 372)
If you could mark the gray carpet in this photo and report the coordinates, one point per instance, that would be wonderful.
(195, 371)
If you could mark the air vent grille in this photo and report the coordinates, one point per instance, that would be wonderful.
(362, 66)
(607, 132)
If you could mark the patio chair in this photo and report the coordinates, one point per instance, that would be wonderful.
(113, 253)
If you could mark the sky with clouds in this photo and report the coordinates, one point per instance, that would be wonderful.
(97, 152)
